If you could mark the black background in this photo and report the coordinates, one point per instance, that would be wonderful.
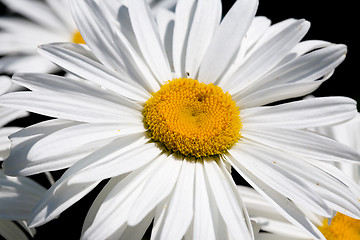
(332, 22)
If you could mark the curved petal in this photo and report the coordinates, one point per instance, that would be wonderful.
(227, 40)
(301, 114)
(148, 38)
(158, 187)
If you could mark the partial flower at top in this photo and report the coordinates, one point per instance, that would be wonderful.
(166, 104)
(42, 22)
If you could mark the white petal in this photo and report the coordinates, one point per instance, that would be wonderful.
(22, 141)
(266, 56)
(26, 63)
(58, 84)
(179, 212)
(304, 143)
(158, 186)
(227, 40)
(67, 106)
(10, 230)
(37, 11)
(304, 69)
(281, 203)
(97, 203)
(79, 136)
(205, 23)
(203, 214)
(121, 156)
(57, 199)
(278, 93)
(227, 201)
(7, 115)
(116, 201)
(72, 58)
(148, 38)
(165, 20)
(5, 142)
(263, 164)
(183, 19)
(301, 114)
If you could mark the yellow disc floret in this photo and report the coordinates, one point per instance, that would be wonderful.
(342, 227)
(77, 38)
(192, 118)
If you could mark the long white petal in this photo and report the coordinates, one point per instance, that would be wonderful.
(179, 212)
(304, 143)
(79, 136)
(121, 156)
(67, 106)
(203, 214)
(74, 58)
(281, 203)
(158, 187)
(205, 23)
(266, 56)
(10, 230)
(227, 40)
(226, 201)
(183, 20)
(148, 38)
(301, 114)
(22, 141)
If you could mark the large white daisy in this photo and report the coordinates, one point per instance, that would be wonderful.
(42, 22)
(164, 106)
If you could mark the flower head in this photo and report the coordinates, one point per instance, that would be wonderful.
(39, 22)
(166, 103)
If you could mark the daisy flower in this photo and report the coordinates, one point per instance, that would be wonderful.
(18, 196)
(166, 103)
(42, 22)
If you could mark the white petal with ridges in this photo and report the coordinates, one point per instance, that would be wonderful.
(281, 203)
(203, 214)
(71, 57)
(148, 38)
(179, 212)
(184, 14)
(301, 114)
(205, 23)
(227, 40)
(68, 106)
(159, 185)
(266, 57)
(226, 201)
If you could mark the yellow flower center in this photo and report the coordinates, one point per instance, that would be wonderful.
(192, 118)
(77, 38)
(342, 227)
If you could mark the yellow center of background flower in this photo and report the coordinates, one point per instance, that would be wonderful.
(192, 118)
(77, 38)
(342, 227)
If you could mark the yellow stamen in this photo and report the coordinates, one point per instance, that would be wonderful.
(192, 118)
(77, 38)
(342, 227)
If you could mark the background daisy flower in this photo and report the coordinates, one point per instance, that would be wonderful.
(18, 196)
(39, 22)
(339, 226)
(137, 74)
